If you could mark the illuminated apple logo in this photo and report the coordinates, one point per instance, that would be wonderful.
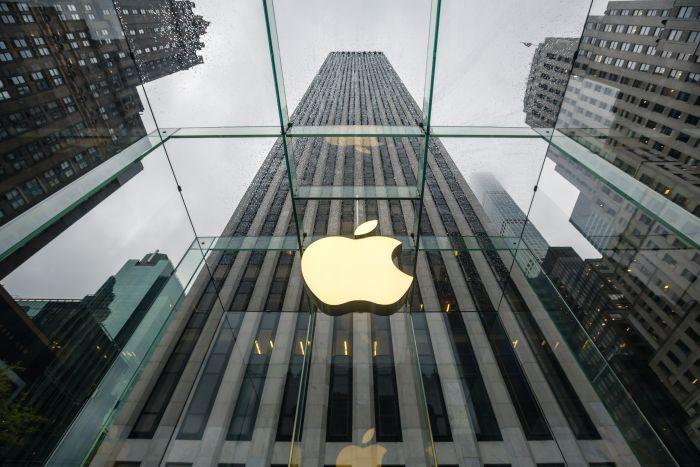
(366, 455)
(346, 275)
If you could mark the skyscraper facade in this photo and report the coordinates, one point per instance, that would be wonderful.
(656, 274)
(607, 312)
(68, 85)
(494, 388)
(510, 221)
(65, 347)
(546, 83)
(632, 99)
(633, 94)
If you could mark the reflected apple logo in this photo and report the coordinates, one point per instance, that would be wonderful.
(365, 455)
(344, 275)
(362, 144)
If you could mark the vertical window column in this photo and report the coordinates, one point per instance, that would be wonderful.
(203, 399)
(250, 394)
(285, 426)
(478, 404)
(387, 417)
(155, 406)
(339, 421)
(437, 411)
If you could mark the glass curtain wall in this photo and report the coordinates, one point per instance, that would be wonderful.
(150, 257)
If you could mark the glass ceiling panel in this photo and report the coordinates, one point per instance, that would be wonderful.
(143, 214)
(309, 31)
(483, 63)
(212, 196)
(223, 77)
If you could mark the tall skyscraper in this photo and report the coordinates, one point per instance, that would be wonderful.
(657, 275)
(634, 94)
(65, 347)
(632, 99)
(500, 387)
(510, 221)
(546, 84)
(68, 97)
(590, 288)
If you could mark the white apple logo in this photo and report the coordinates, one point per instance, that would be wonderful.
(346, 275)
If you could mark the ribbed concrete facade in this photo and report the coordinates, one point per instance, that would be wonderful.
(502, 387)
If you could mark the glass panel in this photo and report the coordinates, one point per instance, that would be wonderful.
(345, 406)
(183, 49)
(489, 183)
(98, 413)
(227, 132)
(630, 283)
(86, 300)
(621, 171)
(314, 35)
(364, 167)
(472, 87)
(94, 184)
(212, 195)
(69, 99)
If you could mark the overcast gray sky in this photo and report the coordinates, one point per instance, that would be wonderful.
(482, 68)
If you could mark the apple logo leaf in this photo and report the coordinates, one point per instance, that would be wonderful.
(366, 229)
(367, 437)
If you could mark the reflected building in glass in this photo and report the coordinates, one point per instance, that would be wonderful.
(632, 99)
(492, 387)
(68, 86)
(509, 220)
(59, 350)
(547, 81)
(657, 274)
(633, 94)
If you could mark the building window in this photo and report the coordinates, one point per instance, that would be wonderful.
(285, 426)
(387, 416)
(51, 179)
(251, 388)
(432, 387)
(339, 418)
(685, 12)
(675, 35)
(15, 198)
(33, 189)
(208, 386)
(66, 169)
(150, 416)
(4, 94)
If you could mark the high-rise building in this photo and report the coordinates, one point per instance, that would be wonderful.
(510, 221)
(68, 85)
(656, 274)
(632, 99)
(500, 387)
(546, 84)
(65, 347)
(634, 94)
(590, 290)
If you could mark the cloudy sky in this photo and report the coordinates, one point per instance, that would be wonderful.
(482, 67)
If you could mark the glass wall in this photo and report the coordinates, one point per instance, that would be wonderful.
(165, 165)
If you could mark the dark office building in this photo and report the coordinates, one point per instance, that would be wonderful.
(546, 83)
(500, 387)
(590, 290)
(63, 348)
(68, 78)
(634, 94)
